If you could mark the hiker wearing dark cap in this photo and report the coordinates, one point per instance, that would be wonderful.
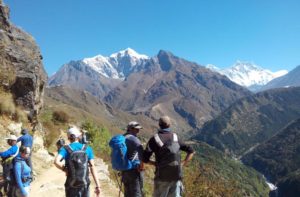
(27, 141)
(133, 178)
(78, 157)
(167, 146)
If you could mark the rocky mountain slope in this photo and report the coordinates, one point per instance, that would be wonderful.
(98, 75)
(292, 79)
(278, 159)
(186, 91)
(21, 69)
(248, 74)
(252, 120)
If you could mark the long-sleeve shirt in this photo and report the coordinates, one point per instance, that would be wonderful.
(134, 147)
(22, 170)
(10, 152)
(26, 140)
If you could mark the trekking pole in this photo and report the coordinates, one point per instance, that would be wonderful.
(119, 184)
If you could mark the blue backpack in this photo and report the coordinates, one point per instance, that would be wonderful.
(119, 158)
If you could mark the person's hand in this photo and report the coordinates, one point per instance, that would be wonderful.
(183, 163)
(97, 191)
(141, 167)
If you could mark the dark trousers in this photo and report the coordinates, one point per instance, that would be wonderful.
(133, 183)
(77, 192)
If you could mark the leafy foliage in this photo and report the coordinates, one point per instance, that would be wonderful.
(99, 137)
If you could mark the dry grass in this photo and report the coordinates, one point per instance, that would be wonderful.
(8, 108)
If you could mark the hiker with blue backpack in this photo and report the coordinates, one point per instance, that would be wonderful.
(166, 146)
(78, 159)
(22, 173)
(127, 152)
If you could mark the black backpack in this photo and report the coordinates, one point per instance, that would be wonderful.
(77, 167)
(169, 165)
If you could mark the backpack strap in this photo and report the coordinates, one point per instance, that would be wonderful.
(175, 137)
(160, 143)
(68, 148)
(158, 140)
(84, 147)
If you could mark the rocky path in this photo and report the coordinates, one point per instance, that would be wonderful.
(49, 182)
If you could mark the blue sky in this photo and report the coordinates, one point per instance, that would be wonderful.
(219, 32)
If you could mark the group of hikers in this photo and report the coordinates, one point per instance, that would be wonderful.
(128, 156)
(17, 166)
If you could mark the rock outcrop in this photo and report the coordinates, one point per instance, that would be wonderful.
(21, 68)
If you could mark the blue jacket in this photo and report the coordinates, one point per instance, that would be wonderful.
(26, 140)
(22, 170)
(9, 152)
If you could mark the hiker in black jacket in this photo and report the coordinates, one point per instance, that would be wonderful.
(166, 146)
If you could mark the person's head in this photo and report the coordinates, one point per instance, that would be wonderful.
(11, 140)
(60, 143)
(24, 131)
(24, 152)
(164, 122)
(73, 134)
(133, 127)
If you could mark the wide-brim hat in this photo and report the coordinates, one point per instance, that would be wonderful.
(11, 137)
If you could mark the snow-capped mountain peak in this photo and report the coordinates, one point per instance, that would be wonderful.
(129, 52)
(248, 74)
(117, 65)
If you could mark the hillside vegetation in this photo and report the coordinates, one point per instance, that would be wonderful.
(252, 120)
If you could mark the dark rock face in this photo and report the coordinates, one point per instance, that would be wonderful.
(22, 71)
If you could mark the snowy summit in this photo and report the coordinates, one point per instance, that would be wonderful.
(248, 74)
(117, 65)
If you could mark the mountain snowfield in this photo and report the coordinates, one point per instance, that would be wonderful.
(248, 74)
(118, 65)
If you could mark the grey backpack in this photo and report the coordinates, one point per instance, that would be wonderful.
(169, 165)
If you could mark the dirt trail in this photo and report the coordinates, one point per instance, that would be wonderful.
(49, 182)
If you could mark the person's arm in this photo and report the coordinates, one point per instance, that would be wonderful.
(10, 152)
(95, 177)
(189, 150)
(58, 162)
(59, 157)
(20, 138)
(148, 153)
(188, 158)
(18, 175)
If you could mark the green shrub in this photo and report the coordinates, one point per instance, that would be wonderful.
(99, 137)
(60, 117)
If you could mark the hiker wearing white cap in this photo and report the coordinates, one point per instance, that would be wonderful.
(12, 141)
(7, 157)
(77, 182)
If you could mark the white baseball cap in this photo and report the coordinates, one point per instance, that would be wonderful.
(74, 131)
